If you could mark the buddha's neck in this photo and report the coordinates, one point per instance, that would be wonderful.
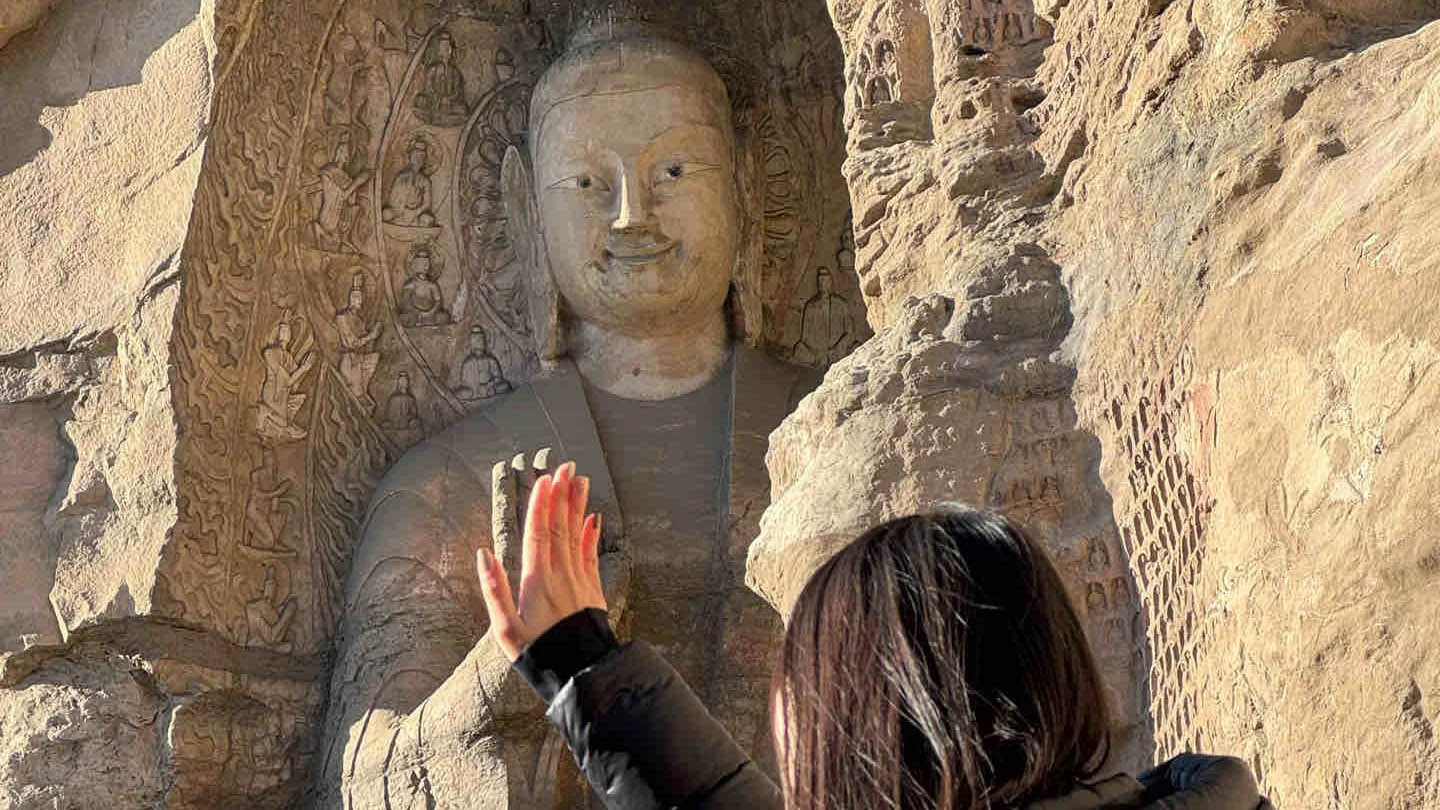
(650, 367)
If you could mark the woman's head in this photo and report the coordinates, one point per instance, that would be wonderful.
(936, 662)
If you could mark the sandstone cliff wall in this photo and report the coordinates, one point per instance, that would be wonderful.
(1156, 276)
(103, 116)
(1241, 201)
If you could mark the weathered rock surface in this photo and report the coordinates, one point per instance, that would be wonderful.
(101, 127)
(1251, 253)
(1241, 200)
(84, 733)
(1155, 275)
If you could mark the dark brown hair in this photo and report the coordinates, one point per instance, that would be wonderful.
(936, 663)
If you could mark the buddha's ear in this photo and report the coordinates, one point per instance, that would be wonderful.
(522, 215)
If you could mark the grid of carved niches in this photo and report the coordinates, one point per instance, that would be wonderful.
(1163, 513)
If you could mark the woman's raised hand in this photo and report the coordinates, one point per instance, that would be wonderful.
(560, 564)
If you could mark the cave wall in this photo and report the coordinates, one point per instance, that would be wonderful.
(1154, 276)
(1240, 201)
(96, 190)
(215, 348)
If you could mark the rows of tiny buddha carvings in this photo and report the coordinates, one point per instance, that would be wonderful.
(1043, 476)
(1042, 485)
(1165, 514)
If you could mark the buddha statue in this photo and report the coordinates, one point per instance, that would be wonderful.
(481, 376)
(441, 101)
(408, 203)
(827, 324)
(624, 215)
(422, 302)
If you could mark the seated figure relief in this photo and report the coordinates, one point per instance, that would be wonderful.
(481, 376)
(441, 100)
(625, 218)
(422, 302)
(408, 203)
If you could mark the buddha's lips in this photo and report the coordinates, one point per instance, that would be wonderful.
(634, 256)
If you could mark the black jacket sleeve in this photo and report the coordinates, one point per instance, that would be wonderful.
(642, 738)
(1201, 782)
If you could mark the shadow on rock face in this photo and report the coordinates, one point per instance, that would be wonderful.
(961, 400)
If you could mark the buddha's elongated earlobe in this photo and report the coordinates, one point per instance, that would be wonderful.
(523, 222)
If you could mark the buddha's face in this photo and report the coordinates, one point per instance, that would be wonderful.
(635, 185)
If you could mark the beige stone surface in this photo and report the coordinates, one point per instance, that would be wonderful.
(1268, 262)
(1155, 276)
(96, 184)
(1241, 200)
(98, 197)
(86, 733)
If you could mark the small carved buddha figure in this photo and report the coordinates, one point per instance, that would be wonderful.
(401, 412)
(827, 324)
(480, 374)
(408, 202)
(422, 303)
(441, 101)
(627, 230)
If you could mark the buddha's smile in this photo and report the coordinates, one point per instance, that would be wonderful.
(637, 252)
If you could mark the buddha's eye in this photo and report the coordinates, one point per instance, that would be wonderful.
(581, 182)
(678, 169)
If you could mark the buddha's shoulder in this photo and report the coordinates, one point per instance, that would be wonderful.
(467, 450)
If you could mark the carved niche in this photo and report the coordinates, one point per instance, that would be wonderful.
(349, 286)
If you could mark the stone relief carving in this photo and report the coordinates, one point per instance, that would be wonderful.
(629, 238)
(357, 341)
(269, 615)
(352, 189)
(285, 366)
(1163, 424)
(268, 509)
(335, 188)
(408, 203)
(827, 324)
(481, 376)
(421, 298)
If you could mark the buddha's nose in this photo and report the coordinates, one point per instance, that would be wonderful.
(634, 213)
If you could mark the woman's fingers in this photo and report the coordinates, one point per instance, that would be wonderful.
(535, 555)
(500, 605)
(589, 578)
(579, 497)
(560, 518)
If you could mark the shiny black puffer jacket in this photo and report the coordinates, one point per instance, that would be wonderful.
(645, 741)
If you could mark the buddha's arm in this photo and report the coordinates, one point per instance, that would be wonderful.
(416, 686)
